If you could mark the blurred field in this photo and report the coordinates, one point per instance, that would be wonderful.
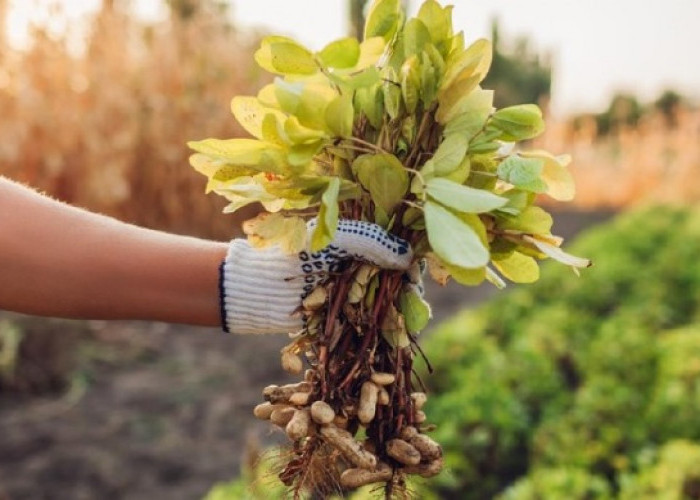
(658, 160)
(106, 129)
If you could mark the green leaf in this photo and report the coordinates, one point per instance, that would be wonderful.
(523, 173)
(437, 19)
(532, 220)
(450, 154)
(453, 240)
(463, 198)
(272, 130)
(518, 268)
(463, 74)
(285, 56)
(415, 310)
(410, 83)
(249, 113)
(384, 177)
(299, 134)
(391, 89)
(371, 50)
(300, 155)
(469, 113)
(370, 101)
(327, 217)
(340, 115)
(415, 37)
(469, 64)
(428, 81)
(343, 53)
(466, 277)
(560, 182)
(313, 102)
(252, 153)
(518, 123)
(382, 19)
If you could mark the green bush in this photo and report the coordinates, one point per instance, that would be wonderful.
(558, 390)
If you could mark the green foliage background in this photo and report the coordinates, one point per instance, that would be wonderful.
(576, 388)
(580, 388)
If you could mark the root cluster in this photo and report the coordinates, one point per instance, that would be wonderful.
(356, 412)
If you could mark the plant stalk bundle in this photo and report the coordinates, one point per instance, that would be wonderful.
(395, 130)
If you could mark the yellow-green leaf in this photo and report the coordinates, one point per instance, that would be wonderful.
(371, 50)
(518, 268)
(415, 37)
(532, 220)
(518, 123)
(250, 113)
(272, 130)
(391, 89)
(268, 229)
(469, 113)
(343, 53)
(382, 19)
(384, 177)
(523, 173)
(453, 240)
(327, 216)
(415, 310)
(285, 56)
(299, 134)
(449, 154)
(241, 152)
(474, 61)
(410, 83)
(560, 182)
(340, 115)
(437, 19)
(463, 198)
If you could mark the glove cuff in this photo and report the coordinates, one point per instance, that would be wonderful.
(259, 290)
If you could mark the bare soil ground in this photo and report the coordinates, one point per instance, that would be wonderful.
(133, 410)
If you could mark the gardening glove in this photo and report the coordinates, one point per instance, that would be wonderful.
(261, 288)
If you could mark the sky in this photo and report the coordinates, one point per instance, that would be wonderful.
(599, 47)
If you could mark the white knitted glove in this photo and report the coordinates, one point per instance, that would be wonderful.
(261, 288)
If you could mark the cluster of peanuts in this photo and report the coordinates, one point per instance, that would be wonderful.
(292, 408)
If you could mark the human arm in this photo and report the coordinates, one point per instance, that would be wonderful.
(59, 260)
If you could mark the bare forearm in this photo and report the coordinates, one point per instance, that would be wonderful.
(58, 260)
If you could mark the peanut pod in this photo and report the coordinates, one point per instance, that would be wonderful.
(299, 398)
(381, 379)
(383, 397)
(403, 452)
(264, 410)
(355, 478)
(352, 450)
(425, 470)
(298, 426)
(429, 449)
(276, 394)
(419, 399)
(368, 402)
(282, 416)
(291, 363)
(322, 413)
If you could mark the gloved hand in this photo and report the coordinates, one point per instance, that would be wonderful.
(261, 288)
